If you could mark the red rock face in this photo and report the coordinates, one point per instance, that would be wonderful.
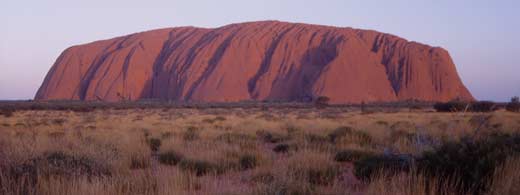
(255, 61)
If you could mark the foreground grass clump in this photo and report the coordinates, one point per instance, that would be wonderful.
(514, 105)
(352, 155)
(472, 161)
(154, 144)
(387, 165)
(201, 167)
(170, 158)
(348, 134)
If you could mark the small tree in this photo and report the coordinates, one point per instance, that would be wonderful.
(514, 105)
(322, 101)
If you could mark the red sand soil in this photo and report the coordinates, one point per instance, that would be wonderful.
(255, 61)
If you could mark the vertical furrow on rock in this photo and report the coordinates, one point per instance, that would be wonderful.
(266, 63)
(212, 64)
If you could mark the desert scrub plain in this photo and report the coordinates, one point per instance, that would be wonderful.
(259, 151)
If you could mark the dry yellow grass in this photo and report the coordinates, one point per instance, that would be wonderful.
(233, 146)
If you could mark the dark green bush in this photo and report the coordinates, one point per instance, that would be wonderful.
(351, 155)
(452, 106)
(7, 112)
(248, 161)
(231, 138)
(324, 176)
(281, 148)
(473, 161)
(270, 137)
(483, 106)
(199, 167)
(514, 105)
(139, 162)
(321, 102)
(339, 133)
(191, 134)
(361, 137)
(154, 144)
(368, 167)
(170, 158)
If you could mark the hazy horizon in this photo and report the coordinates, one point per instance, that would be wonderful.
(481, 36)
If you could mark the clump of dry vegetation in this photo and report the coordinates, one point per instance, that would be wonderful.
(257, 150)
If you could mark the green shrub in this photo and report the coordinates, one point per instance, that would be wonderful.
(316, 175)
(483, 106)
(473, 161)
(191, 134)
(351, 155)
(231, 138)
(7, 112)
(270, 137)
(339, 133)
(170, 158)
(367, 168)
(360, 137)
(281, 148)
(137, 162)
(248, 161)
(154, 144)
(452, 106)
(514, 105)
(322, 102)
(199, 167)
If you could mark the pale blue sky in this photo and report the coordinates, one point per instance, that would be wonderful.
(481, 35)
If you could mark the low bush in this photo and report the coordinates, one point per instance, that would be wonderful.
(514, 105)
(191, 134)
(281, 148)
(270, 137)
(170, 158)
(7, 112)
(199, 167)
(346, 132)
(369, 167)
(322, 174)
(248, 161)
(483, 106)
(154, 144)
(473, 161)
(139, 162)
(452, 106)
(351, 155)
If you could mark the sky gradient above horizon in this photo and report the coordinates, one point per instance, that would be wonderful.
(481, 36)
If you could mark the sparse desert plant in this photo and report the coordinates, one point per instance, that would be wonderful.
(191, 134)
(483, 106)
(154, 144)
(199, 167)
(452, 106)
(139, 162)
(248, 161)
(473, 161)
(281, 148)
(389, 165)
(351, 155)
(506, 177)
(348, 134)
(170, 157)
(7, 112)
(313, 167)
(322, 101)
(270, 137)
(514, 105)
